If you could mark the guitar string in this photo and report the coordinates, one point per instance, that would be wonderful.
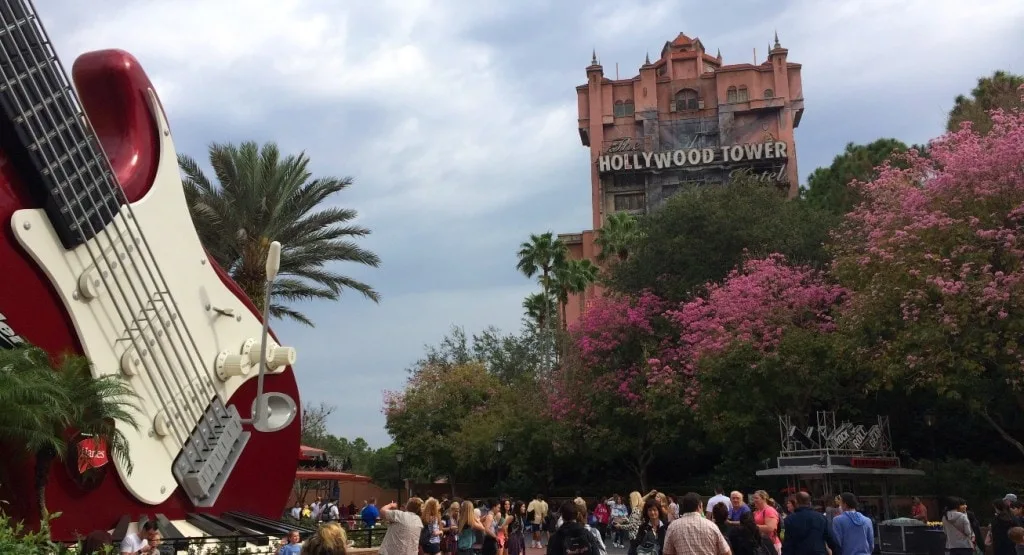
(17, 26)
(196, 412)
(110, 180)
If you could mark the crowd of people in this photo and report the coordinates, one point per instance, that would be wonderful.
(655, 524)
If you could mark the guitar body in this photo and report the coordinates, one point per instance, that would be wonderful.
(41, 303)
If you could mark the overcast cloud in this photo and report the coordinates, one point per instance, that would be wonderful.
(457, 120)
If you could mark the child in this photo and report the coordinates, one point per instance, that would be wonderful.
(1017, 536)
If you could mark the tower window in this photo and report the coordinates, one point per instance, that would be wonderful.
(623, 109)
(741, 95)
(632, 201)
(768, 93)
(730, 95)
(687, 99)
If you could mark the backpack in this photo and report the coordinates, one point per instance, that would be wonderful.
(649, 545)
(762, 547)
(578, 541)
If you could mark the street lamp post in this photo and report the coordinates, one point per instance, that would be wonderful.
(499, 446)
(929, 420)
(399, 455)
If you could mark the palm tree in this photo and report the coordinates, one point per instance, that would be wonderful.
(260, 198)
(617, 236)
(38, 403)
(538, 306)
(541, 255)
(573, 277)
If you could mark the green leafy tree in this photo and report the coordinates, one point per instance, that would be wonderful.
(828, 188)
(260, 198)
(1000, 91)
(427, 416)
(617, 236)
(700, 234)
(41, 402)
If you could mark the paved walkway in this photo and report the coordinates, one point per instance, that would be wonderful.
(611, 550)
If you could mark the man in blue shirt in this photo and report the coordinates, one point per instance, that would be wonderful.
(738, 508)
(370, 513)
(852, 531)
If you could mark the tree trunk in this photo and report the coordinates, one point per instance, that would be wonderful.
(44, 459)
(644, 456)
(1002, 433)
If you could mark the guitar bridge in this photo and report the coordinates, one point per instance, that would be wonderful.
(207, 458)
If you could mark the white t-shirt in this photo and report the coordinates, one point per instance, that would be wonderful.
(720, 498)
(132, 543)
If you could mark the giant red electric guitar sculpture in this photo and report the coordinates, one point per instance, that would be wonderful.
(99, 255)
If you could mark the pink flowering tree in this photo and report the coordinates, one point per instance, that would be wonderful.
(935, 255)
(612, 391)
(757, 345)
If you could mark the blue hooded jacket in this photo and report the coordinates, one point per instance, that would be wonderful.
(854, 533)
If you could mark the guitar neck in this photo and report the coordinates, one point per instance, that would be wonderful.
(45, 134)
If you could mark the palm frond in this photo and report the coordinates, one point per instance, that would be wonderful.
(262, 196)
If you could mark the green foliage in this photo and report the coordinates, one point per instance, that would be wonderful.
(260, 198)
(829, 188)
(40, 402)
(700, 234)
(617, 237)
(509, 357)
(961, 478)
(16, 540)
(997, 91)
(463, 395)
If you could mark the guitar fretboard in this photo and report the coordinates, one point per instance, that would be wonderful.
(45, 134)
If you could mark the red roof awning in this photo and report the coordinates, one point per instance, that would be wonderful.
(307, 451)
(329, 475)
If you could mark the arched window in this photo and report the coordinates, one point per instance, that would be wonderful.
(730, 94)
(687, 99)
(623, 108)
(768, 93)
(741, 95)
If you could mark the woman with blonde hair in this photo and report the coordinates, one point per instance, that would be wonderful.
(581, 516)
(636, 511)
(430, 514)
(767, 518)
(330, 539)
(450, 524)
(469, 525)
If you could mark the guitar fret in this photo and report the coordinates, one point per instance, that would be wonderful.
(60, 152)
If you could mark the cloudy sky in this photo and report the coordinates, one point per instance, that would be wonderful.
(457, 119)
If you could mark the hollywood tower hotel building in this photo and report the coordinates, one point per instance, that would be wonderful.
(687, 119)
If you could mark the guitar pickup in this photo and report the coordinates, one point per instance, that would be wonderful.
(107, 264)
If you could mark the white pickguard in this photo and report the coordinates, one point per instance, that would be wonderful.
(217, 320)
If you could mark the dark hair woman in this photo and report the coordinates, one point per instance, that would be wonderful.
(720, 515)
(746, 538)
(650, 536)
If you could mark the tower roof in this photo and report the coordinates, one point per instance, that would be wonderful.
(681, 40)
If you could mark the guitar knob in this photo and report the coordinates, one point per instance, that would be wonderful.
(280, 357)
(231, 365)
